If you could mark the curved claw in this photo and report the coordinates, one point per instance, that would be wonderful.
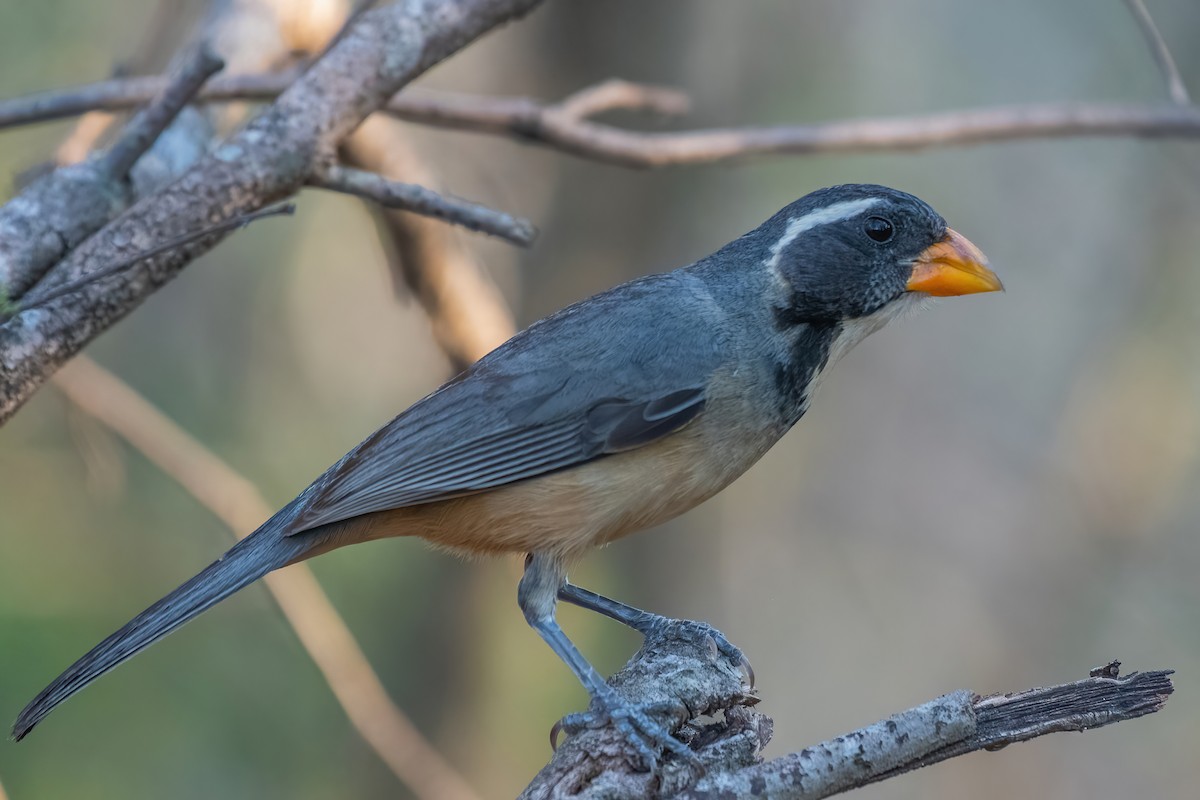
(723, 646)
(749, 668)
(555, 730)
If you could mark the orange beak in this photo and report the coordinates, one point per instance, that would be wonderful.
(952, 267)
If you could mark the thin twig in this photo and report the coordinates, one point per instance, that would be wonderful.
(36, 299)
(567, 126)
(419, 200)
(1162, 54)
(585, 138)
(146, 127)
(307, 608)
(122, 94)
(467, 312)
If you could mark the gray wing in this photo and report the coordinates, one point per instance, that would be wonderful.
(610, 374)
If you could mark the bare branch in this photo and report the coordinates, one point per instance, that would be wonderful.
(148, 125)
(122, 94)
(618, 95)
(422, 105)
(62, 208)
(307, 608)
(680, 668)
(567, 126)
(267, 160)
(550, 126)
(466, 310)
(1162, 54)
(419, 200)
(45, 295)
(950, 726)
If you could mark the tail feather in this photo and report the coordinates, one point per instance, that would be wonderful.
(263, 551)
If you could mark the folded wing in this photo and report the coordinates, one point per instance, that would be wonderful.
(546, 401)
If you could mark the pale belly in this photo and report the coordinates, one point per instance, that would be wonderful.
(569, 512)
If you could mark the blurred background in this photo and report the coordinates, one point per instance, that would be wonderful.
(997, 494)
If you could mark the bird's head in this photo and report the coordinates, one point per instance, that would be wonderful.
(856, 251)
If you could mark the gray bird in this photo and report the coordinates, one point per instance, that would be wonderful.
(610, 416)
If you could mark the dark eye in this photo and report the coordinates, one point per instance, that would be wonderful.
(878, 229)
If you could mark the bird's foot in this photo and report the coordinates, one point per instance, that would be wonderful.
(641, 726)
(694, 628)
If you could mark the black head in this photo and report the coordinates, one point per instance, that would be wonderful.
(848, 251)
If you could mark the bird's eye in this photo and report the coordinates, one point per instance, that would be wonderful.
(879, 229)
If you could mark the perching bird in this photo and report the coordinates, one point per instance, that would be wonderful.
(610, 416)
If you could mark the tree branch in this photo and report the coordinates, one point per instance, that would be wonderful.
(46, 295)
(582, 137)
(266, 161)
(566, 125)
(59, 210)
(679, 668)
(1162, 54)
(307, 608)
(418, 199)
(147, 126)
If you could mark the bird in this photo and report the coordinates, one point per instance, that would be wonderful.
(610, 416)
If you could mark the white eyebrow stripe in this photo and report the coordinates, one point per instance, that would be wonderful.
(813, 219)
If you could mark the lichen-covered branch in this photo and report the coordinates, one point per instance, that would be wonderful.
(62, 208)
(268, 160)
(721, 721)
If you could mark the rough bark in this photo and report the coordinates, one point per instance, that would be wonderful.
(719, 716)
(270, 159)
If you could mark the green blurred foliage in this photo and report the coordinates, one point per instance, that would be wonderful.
(997, 494)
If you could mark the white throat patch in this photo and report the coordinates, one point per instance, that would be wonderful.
(854, 331)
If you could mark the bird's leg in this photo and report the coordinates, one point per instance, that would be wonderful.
(647, 622)
(537, 597)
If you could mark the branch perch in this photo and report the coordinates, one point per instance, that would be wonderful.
(680, 668)
(419, 200)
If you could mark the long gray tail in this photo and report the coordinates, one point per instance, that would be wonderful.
(247, 561)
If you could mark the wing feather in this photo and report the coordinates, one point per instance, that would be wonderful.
(547, 400)
(507, 456)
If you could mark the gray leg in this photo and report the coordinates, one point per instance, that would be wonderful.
(647, 622)
(536, 596)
